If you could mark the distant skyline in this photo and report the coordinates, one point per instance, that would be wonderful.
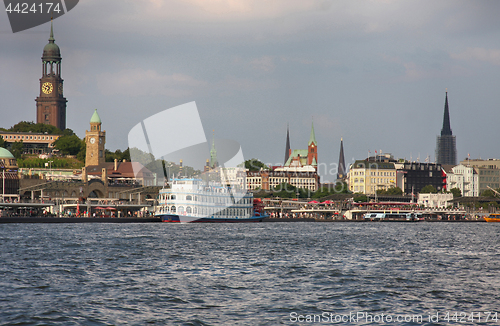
(373, 72)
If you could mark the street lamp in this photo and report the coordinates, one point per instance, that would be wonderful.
(49, 164)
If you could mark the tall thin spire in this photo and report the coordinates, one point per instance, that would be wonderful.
(51, 38)
(446, 131)
(213, 153)
(312, 138)
(341, 170)
(287, 146)
(446, 146)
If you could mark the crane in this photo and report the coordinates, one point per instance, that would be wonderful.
(496, 192)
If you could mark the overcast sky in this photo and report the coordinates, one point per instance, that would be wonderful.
(371, 71)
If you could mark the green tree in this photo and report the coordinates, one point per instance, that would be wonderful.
(394, 191)
(142, 157)
(17, 149)
(68, 145)
(285, 190)
(322, 192)
(118, 154)
(27, 126)
(126, 155)
(456, 192)
(338, 188)
(429, 189)
(361, 199)
(82, 154)
(341, 188)
(3, 143)
(109, 156)
(68, 132)
(254, 165)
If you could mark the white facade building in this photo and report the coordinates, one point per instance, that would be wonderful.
(435, 200)
(464, 178)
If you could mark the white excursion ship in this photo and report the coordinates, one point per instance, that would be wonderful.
(196, 200)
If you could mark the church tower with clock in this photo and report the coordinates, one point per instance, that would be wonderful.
(95, 140)
(51, 104)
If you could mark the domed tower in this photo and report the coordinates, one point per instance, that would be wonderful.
(51, 104)
(95, 140)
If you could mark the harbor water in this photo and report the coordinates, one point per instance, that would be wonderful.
(250, 274)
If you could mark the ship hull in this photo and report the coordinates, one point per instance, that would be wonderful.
(492, 219)
(170, 218)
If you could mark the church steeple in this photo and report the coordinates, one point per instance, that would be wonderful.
(51, 38)
(287, 146)
(341, 169)
(312, 149)
(213, 154)
(446, 146)
(50, 104)
(446, 130)
(312, 137)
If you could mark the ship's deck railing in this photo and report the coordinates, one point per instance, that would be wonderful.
(202, 192)
(206, 204)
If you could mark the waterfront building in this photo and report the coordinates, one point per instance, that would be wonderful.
(233, 176)
(488, 172)
(413, 176)
(254, 180)
(51, 104)
(441, 200)
(464, 178)
(267, 180)
(446, 147)
(33, 143)
(368, 176)
(121, 173)
(9, 179)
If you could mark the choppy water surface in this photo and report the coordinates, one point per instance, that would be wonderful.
(246, 274)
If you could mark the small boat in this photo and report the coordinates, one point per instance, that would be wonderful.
(492, 218)
(410, 217)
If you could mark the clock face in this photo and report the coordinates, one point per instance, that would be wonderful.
(92, 140)
(60, 89)
(47, 87)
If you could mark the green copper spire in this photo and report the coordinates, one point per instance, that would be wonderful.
(312, 138)
(95, 118)
(51, 38)
(213, 154)
(51, 52)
